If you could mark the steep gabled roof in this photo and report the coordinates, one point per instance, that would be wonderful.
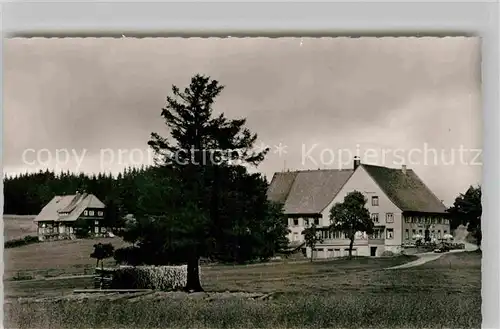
(310, 191)
(68, 208)
(307, 192)
(405, 190)
(280, 186)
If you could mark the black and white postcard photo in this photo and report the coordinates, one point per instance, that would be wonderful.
(289, 182)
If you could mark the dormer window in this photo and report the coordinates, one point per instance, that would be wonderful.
(85, 213)
(100, 213)
(91, 213)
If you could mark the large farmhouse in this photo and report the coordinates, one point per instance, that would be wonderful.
(57, 219)
(401, 207)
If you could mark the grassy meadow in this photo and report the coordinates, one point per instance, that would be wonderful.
(18, 226)
(52, 259)
(357, 293)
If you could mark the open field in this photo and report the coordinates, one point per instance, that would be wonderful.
(277, 277)
(336, 294)
(49, 259)
(17, 226)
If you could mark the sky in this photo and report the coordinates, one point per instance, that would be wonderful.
(90, 104)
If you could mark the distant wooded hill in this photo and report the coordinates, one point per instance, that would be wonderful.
(28, 193)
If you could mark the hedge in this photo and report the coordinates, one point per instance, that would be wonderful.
(163, 278)
(29, 239)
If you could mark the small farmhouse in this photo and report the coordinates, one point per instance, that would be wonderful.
(401, 206)
(57, 219)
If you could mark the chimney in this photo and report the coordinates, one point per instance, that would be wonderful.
(357, 162)
(403, 169)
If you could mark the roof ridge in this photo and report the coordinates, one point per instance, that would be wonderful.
(377, 166)
(316, 170)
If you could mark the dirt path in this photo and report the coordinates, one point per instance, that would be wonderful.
(430, 256)
(422, 259)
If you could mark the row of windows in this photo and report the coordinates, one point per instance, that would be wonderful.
(336, 252)
(433, 234)
(426, 220)
(66, 229)
(306, 221)
(377, 234)
(91, 213)
(389, 217)
(335, 235)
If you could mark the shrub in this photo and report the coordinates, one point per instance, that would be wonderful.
(20, 276)
(101, 252)
(21, 242)
(164, 278)
(387, 253)
(128, 256)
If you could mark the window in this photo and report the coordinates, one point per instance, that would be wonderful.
(389, 217)
(444, 232)
(100, 213)
(408, 219)
(377, 234)
(407, 234)
(316, 221)
(420, 220)
(103, 230)
(413, 232)
(96, 229)
(306, 222)
(346, 252)
(91, 213)
(320, 249)
(374, 217)
(85, 213)
(96, 223)
(295, 222)
(420, 232)
(374, 200)
(439, 234)
(446, 221)
(295, 236)
(390, 234)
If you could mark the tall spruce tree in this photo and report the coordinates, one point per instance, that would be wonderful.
(216, 215)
